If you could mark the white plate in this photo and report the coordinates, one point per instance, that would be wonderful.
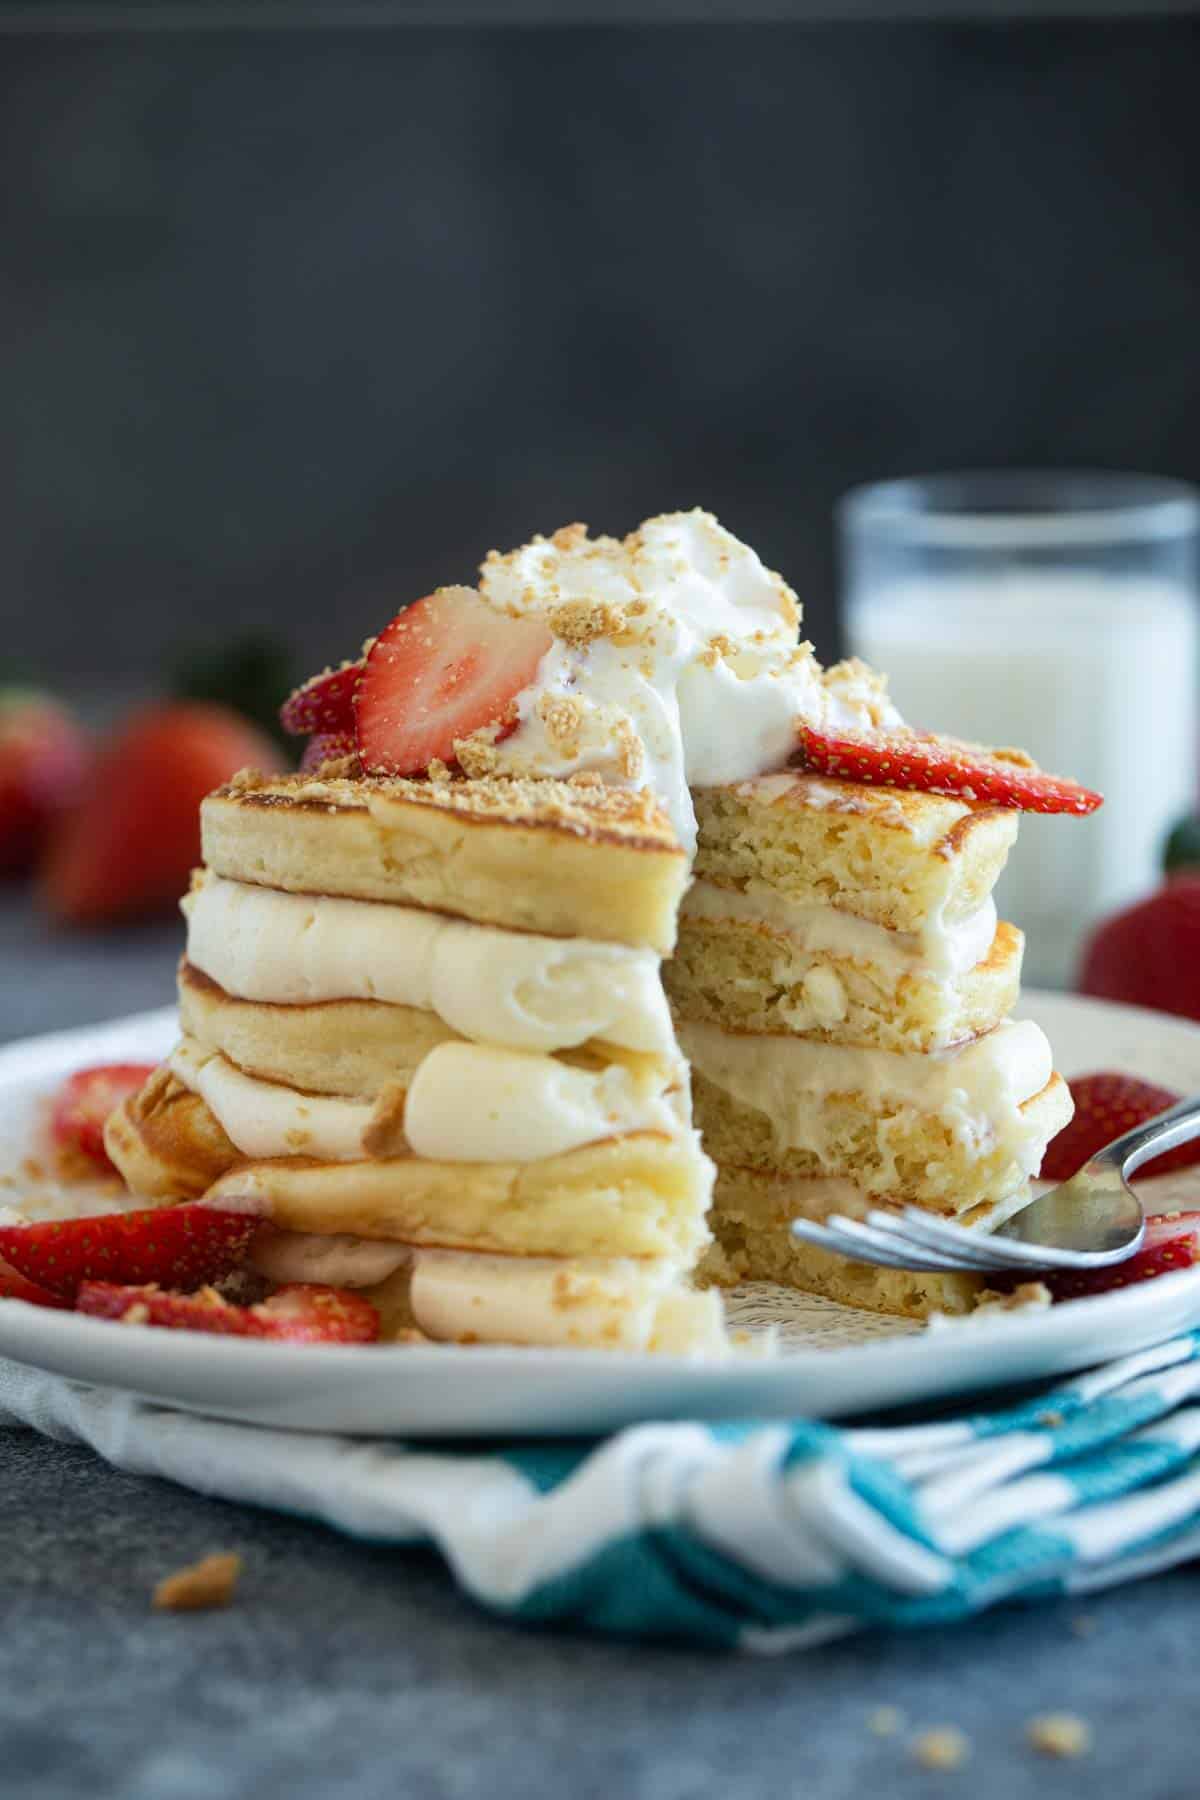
(835, 1361)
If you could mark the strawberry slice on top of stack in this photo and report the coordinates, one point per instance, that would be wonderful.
(450, 665)
(445, 668)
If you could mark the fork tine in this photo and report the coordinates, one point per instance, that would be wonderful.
(989, 1251)
(907, 1230)
(853, 1238)
(829, 1237)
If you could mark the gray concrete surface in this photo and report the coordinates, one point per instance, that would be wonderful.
(343, 1669)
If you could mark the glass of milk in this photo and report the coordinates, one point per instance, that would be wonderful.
(1055, 612)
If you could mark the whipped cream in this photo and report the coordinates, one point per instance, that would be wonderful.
(492, 985)
(615, 1304)
(675, 660)
(466, 1103)
(946, 950)
(977, 1089)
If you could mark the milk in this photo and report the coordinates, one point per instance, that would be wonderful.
(1095, 675)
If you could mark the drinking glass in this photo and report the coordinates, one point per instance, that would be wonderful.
(1055, 611)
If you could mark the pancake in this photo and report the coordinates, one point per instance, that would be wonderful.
(750, 977)
(894, 856)
(350, 1047)
(751, 1214)
(891, 1151)
(555, 857)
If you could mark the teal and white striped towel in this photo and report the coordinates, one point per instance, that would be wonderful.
(755, 1536)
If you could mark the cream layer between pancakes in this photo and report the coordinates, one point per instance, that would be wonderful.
(944, 949)
(497, 1095)
(491, 985)
(465, 1103)
(976, 1090)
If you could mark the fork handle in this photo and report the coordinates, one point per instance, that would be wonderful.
(1178, 1125)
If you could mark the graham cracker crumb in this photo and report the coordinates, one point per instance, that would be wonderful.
(885, 1721)
(1050, 1419)
(581, 621)
(207, 1583)
(438, 770)
(384, 1135)
(630, 754)
(717, 648)
(476, 754)
(32, 1169)
(562, 715)
(946, 1747)
(137, 1314)
(339, 768)
(1059, 1734)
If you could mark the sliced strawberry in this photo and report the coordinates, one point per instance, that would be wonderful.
(15, 1287)
(85, 1101)
(301, 1313)
(446, 667)
(327, 746)
(1172, 1242)
(1105, 1106)
(935, 765)
(305, 1313)
(205, 1311)
(184, 1246)
(324, 702)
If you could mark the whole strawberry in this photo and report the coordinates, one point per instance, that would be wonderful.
(1106, 1106)
(129, 845)
(43, 756)
(1149, 955)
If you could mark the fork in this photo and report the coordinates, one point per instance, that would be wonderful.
(1091, 1220)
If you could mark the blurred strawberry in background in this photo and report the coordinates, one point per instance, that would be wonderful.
(128, 846)
(1149, 954)
(43, 756)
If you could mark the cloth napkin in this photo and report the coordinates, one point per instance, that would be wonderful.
(762, 1537)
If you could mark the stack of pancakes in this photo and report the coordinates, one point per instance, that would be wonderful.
(424, 1030)
(841, 989)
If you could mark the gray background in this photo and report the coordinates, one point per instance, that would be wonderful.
(292, 326)
(295, 324)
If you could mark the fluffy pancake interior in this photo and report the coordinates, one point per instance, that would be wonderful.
(755, 980)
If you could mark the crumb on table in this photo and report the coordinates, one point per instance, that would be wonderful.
(946, 1747)
(207, 1583)
(1059, 1734)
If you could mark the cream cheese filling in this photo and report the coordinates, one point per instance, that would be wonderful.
(593, 1302)
(945, 950)
(466, 1103)
(616, 1303)
(976, 1090)
(494, 986)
